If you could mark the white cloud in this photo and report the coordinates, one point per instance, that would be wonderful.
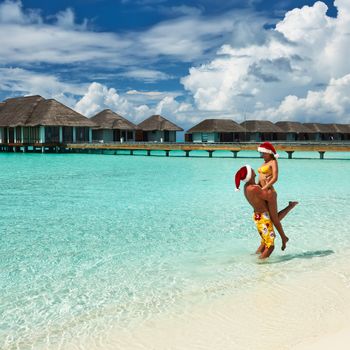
(146, 75)
(99, 97)
(35, 39)
(333, 103)
(180, 10)
(299, 70)
(12, 12)
(66, 19)
(25, 82)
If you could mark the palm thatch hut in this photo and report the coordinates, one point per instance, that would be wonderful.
(321, 132)
(261, 130)
(158, 128)
(33, 119)
(342, 132)
(294, 131)
(111, 127)
(215, 130)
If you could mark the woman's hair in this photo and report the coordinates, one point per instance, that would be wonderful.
(271, 155)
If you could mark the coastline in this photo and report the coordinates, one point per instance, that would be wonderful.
(298, 314)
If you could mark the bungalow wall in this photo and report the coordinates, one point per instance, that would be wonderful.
(19, 134)
(45, 134)
(159, 136)
(205, 137)
(293, 136)
(263, 136)
(231, 137)
(113, 135)
(105, 135)
(323, 136)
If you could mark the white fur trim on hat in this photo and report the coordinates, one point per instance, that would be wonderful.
(248, 176)
(249, 173)
(265, 150)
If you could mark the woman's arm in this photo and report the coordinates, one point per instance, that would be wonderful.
(274, 177)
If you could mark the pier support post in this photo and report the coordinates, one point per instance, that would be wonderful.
(148, 152)
(321, 154)
(131, 152)
(210, 154)
(187, 153)
(235, 154)
(42, 149)
(167, 153)
(290, 154)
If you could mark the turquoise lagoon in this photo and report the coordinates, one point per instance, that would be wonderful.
(92, 242)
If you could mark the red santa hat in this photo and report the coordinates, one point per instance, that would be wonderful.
(243, 174)
(266, 147)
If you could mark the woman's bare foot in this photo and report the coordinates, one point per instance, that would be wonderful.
(284, 242)
(293, 204)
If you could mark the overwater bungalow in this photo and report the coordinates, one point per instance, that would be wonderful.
(294, 131)
(36, 120)
(342, 132)
(261, 130)
(215, 130)
(157, 128)
(111, 127)
(322, 132)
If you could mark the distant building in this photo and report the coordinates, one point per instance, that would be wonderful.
(294, 131)
(157, 128)
(321, 132)
(215, 130)
(36, 120)
(261, 130)
(341, 132)
(111, 127)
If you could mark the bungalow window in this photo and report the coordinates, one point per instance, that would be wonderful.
(204, 137)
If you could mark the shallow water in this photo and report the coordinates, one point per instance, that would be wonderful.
(93, 241)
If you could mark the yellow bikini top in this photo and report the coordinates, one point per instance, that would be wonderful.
(265, 170)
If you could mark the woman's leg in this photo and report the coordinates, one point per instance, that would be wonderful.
(282, 213)
(272, 205)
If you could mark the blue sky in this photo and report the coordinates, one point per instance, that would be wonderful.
(186, 60)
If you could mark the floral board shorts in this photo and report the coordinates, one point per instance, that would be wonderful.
(264, 226)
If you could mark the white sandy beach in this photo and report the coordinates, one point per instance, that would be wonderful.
(311, 312)
(339, 341)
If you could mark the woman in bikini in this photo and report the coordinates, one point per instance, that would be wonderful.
(268, 176)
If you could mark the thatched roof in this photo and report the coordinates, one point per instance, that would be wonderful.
(321, 128)
(108, 119)
(157, 122)
(16, 111)
(261, 126)
(35, 111)
(216, 125)
(293, 127)
(342, 128)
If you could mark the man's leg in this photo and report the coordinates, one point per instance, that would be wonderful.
(267, 252)
(260, 249)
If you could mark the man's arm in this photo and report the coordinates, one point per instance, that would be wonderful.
(259, 192)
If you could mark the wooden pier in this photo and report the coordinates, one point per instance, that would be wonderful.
(186, 147)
